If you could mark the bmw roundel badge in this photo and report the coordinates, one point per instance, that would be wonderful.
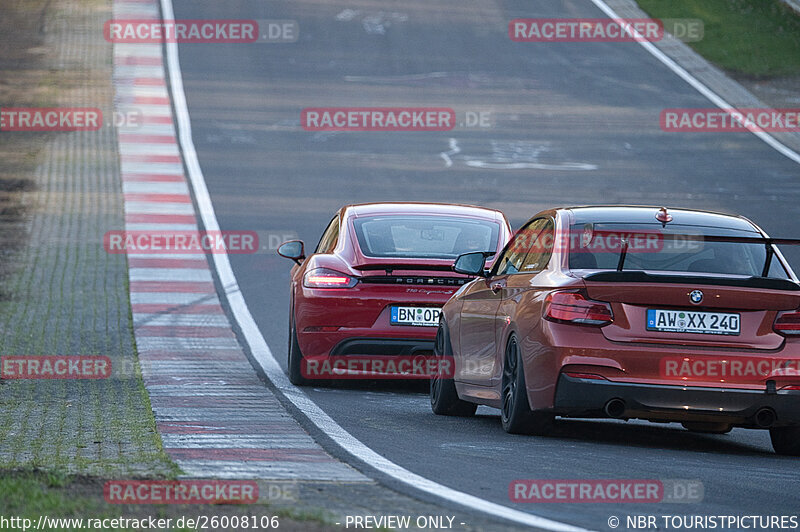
(696, 297)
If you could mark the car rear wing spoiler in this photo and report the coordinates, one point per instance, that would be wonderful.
(391, 266)
(632, 276)
(767, 242)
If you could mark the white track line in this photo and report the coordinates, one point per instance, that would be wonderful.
(263, 355)
(698, 85)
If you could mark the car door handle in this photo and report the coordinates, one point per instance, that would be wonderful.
(497, 286)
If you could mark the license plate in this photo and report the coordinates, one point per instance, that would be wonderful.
(415, 316)
(687, 321)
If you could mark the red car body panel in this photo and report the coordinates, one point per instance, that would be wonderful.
(480, 321)
(327, 318)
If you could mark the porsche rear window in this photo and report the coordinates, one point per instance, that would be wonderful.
(435, 237)
(651, 248)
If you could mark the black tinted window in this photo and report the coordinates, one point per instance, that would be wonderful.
(672, 249)
(444, 237)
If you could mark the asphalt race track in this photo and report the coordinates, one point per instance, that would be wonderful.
(571, 123)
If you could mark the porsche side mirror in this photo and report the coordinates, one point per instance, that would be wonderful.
(471, 264)
(293, 249)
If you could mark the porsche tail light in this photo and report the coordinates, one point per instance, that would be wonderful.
(574, 307)
(325, 278)
(788, 322)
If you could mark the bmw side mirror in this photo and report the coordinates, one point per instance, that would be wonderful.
(293, 249)
(471, 264)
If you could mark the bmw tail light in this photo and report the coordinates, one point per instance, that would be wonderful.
(325, 278)
(573, 307)
(788, 322)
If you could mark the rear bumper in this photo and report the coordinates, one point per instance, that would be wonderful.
(379, 341)
(336, 324)
(373, 358)
(382, 347)
(588, 397)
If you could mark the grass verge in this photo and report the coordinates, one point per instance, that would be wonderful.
(29, 494)
(759, 39)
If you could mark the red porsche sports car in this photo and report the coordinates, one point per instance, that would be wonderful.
(628, 312)
(375, 283)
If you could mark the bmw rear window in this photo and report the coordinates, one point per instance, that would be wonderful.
(652, 247)
(435, 237)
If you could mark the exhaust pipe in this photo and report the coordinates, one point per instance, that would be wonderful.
(765, 418)
(614, 408)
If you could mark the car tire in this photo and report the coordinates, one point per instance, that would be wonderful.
(786, 440)
(516, 415)
(295, 358)
(444, 397)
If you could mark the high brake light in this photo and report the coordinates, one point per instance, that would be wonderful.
(573, 307)
(787, 322)
(325, 278)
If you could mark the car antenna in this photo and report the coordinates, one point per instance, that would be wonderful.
(663, 216)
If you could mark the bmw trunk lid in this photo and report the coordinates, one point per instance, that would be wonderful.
(693, 310)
